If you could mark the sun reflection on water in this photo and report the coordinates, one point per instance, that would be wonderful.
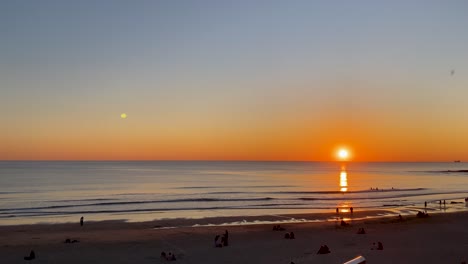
(343, 180)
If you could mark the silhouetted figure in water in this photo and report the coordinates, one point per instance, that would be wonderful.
(81, 221)
(425, 204)
(351, 209)
(31, 256)
(337, 211)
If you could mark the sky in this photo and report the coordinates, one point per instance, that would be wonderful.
(233, 80)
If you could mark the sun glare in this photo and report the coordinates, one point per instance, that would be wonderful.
(123, 115)
(343, 154)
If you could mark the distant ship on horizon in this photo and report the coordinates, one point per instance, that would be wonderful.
(456, 161)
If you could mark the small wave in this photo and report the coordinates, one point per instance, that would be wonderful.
(377, 197)
(144, 202)
(349, 192)
(240, 187)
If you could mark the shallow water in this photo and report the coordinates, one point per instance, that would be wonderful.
(33, 192)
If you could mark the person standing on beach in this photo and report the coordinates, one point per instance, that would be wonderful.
(425, 204)
(226, 235)
(81, 221)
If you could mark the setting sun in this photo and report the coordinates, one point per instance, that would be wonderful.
(343, 154)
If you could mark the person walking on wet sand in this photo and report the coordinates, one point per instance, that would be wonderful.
(81, 221)
(425, 204)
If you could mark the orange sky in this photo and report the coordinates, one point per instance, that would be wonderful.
(235, 80)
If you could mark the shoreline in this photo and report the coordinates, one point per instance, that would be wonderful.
(233, 221)
(440, 238)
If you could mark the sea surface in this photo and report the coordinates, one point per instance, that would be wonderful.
(54, 192)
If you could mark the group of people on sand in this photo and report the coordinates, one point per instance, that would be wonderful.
(421, 214)
(377, 246)
(290, 235)
(343, 223)
(278, 228)
(224, 241)
(32, 254)
(169, 256)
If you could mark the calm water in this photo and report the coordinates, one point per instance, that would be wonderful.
(32, 192)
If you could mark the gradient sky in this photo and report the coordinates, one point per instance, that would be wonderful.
(233, 80)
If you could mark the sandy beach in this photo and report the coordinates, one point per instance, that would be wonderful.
(441, 238)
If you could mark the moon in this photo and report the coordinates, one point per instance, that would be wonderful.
(123, 115)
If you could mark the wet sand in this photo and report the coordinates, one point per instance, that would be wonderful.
(441, 238)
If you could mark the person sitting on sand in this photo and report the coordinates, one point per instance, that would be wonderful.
(422, 214)
(378, 246)
(291, 235)
(170, 257)
(324, 250)
(275, 228)
(343, 223)
(286, 236)
(31, 256)
(361, 231)
(216, 242)
(163, 254)
(281, 228)
(400, 217)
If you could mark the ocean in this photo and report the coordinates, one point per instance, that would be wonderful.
(62, 191)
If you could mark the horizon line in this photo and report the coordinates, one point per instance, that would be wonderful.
(233, 160)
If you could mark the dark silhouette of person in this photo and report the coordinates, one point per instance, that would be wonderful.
(425, 204)
(31, 256)
(379, 246)
(323, 250)
(226, 238)
(351, 209)
(343, 223)
(216, 241)
(337, 211)
(81, 221)
(286, 236)
(291, 235)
